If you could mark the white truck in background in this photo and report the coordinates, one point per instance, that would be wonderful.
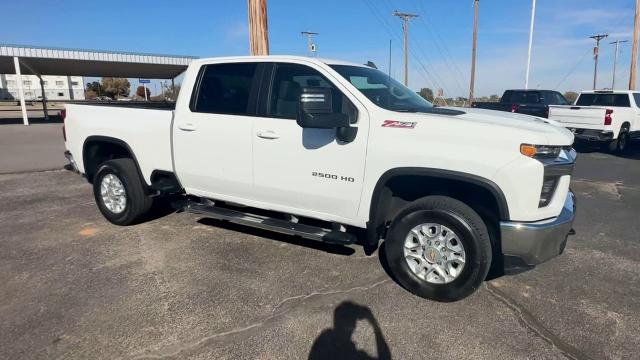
(321, 149)
(611, 118)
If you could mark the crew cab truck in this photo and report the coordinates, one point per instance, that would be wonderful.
(611, 118)
(530, 102)
(323, 149)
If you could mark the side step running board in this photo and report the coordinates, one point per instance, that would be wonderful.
(272, 224)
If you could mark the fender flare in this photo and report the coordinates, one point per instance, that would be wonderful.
(378, 195)
(115, 141)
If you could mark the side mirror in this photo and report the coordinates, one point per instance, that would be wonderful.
(316, 110)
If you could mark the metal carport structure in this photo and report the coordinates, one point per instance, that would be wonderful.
(32, 60)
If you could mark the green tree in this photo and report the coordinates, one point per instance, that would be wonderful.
(140, 92)
(171, 94)
(571, 96)
(426, 93)
(94, 89)
(116, 87)
(494, 98)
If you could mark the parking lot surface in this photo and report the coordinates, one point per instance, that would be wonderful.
(181, 286)
(29, 148)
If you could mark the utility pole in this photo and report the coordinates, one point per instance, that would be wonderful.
(533, 16)
(634, 51)
(258, 30)
(311, 46)
(405, 29)
(472, 84)
(615, 62)
(596, 50)
(389, 69)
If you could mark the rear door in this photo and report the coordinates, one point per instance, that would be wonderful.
(306, 171)
(212, 137)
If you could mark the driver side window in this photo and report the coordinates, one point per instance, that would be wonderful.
(288, 81)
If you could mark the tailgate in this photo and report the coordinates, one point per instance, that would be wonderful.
(588, 115)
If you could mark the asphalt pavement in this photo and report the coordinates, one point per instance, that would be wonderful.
(74, 286)
(31, 148)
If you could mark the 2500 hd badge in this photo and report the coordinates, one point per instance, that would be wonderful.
(332, 176)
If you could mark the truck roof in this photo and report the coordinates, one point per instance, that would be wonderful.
(526, 90)
(276, 58)
(608, 92)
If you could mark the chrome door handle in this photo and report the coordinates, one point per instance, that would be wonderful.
(267, 134)
(187, 127)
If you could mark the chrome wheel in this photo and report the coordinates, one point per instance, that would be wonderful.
(114, 196)
(434, 253)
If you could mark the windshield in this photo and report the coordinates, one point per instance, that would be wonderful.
(383, 90)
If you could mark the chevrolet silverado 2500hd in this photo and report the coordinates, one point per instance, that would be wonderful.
(319, 149)
(611, 118)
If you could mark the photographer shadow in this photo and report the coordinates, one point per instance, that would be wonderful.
(337, 343)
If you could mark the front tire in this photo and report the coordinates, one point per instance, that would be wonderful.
(439, 248)
(120, 193)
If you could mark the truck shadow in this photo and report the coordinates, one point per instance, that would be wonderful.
(289, 239)
(632, 151)
(336, 343)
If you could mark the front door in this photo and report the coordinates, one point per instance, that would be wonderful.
(212, 138)
(307, 171)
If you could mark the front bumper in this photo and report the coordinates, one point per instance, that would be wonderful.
(531, 243)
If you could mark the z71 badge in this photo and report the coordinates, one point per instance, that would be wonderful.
(399, 124)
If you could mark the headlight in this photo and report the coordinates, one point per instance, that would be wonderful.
(540, 151)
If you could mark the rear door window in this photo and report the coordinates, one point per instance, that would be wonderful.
(636, 97)
(225, 89)
(616, 100)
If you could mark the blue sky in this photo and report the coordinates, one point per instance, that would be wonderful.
(356, 30)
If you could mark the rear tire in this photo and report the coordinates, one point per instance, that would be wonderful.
(459, 233)
(619, 145)
(120, 193)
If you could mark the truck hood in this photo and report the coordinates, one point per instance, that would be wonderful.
(549, 129)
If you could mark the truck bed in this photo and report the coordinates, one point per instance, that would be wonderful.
(527, 109)
(144, 128)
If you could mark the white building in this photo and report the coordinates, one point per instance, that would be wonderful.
(56, 87)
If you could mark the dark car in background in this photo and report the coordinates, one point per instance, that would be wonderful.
(530, 102)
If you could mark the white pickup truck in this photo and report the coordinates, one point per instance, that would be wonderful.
(321, 149)
(609, 117)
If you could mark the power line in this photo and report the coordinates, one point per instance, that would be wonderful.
(389, 30)
(424, 56)
(444, 52)
(432, 78)
(587, 53)
(572, 69)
